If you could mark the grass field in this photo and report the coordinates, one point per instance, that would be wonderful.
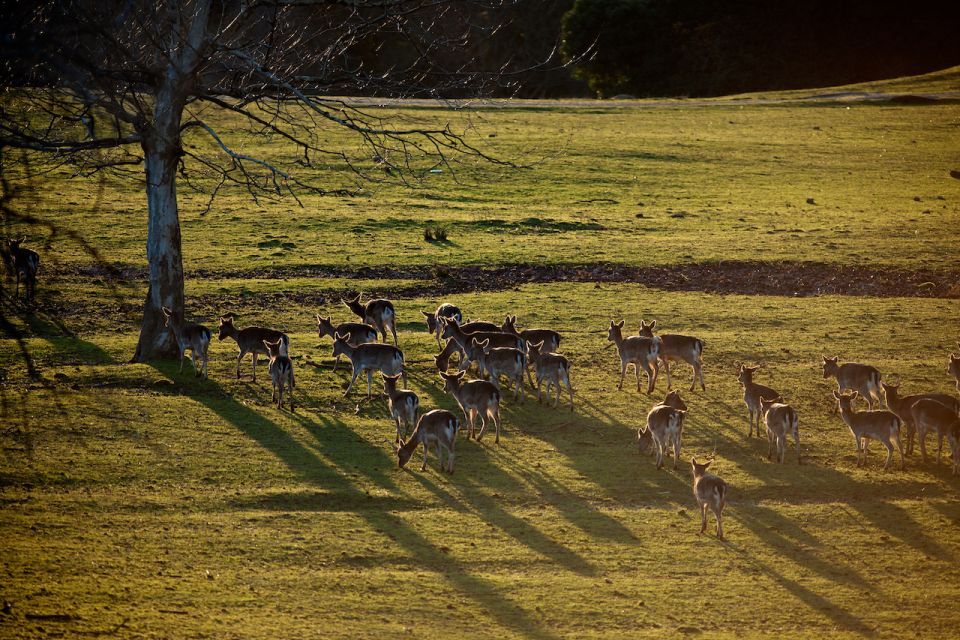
(141, 502)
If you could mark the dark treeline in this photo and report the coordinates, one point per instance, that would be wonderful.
(547, 48)
(705, 47)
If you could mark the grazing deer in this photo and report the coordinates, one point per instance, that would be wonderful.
(357, 333)
(379, 313)
(931, 415)
(781, 420)
(25, 263)
(752, 392)
(445, 310)
(438, 427)
(645, 437)
(876, 424)
(640, 352)
(453, 331)
(442, 359)
(403, 404)
(851, 376)
(281, 372)
(677, 347)
(369, 357)
(664, 427)
(548, 337)
(250, 340)
(195, 337)
(476, 398)
(902, 406)
(710, 491)
(954, 368)
(497, 361)
(553, 368)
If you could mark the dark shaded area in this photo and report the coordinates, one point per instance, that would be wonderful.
(746, 277)
(703, 48)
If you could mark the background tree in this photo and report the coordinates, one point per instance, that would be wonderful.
(115, 86)
(697, 47)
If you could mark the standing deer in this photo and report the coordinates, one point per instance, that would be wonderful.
(852, 376)
(664, 427)
(677, 347)
(954, 368)
(781, 420)
(369, 357)
(357, 333)
(476, 398)
(25, 263)
(902, 406)
(453, 331)
(445, 310)
(379, 313)
(438, 427)
(250, 340)
(930, 415)
(497, 361)
(640, 352)
(710, 491)
(281, 372)
(195, 337)
(403, 404)
(548, 337)
(752, 392)
(554, 368)
(644, 435)
(880, 425)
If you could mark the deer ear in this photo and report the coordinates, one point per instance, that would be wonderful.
(318, 317)
(426, 315)
(855, 395)
(620, 324)
(836, 395)
(337, 336)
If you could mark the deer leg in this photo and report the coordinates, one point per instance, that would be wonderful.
(666, 366)
(676, 452)
(659, 453)
(239, 360)
(496, 422)
(426, 448)
(393, 330)
(483, 425)
(889, 446)
(356, 372)
(570, 389)
(540, 389)
(623, 372)
(911, 430)
(703, 517)
(922, 435)
(719, 513)
(769, 444)
(369, 383)
(939, 445)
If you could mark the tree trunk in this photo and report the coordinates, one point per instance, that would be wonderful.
(164, 252)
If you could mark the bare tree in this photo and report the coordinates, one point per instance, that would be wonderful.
(117, 86)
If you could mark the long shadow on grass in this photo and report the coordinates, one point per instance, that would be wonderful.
(817, 602)
(312, 468)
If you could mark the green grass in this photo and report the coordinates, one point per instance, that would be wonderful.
(141, 502)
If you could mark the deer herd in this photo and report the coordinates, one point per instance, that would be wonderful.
(502, 351)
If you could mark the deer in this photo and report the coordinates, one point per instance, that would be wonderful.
(368, 357)
(781, 420)
(876, 424)
(640, 352)
(442, 359)
(357, 333)
(928, 415)
(476, 398)
(678, 347)
(664, 427)
(25, 263)
(453, 331)
(281, 372)
(548, 337)
(497, 361)
(445, 310)
(954, 368)
(752, 392)
(195, 337)
(403, 404)
(902, 406)
(472, 326)
(438, 427)
(250, 340)
(852, 376)
(672, 399)
(379, 313)
(554, 368)
(710, 492)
